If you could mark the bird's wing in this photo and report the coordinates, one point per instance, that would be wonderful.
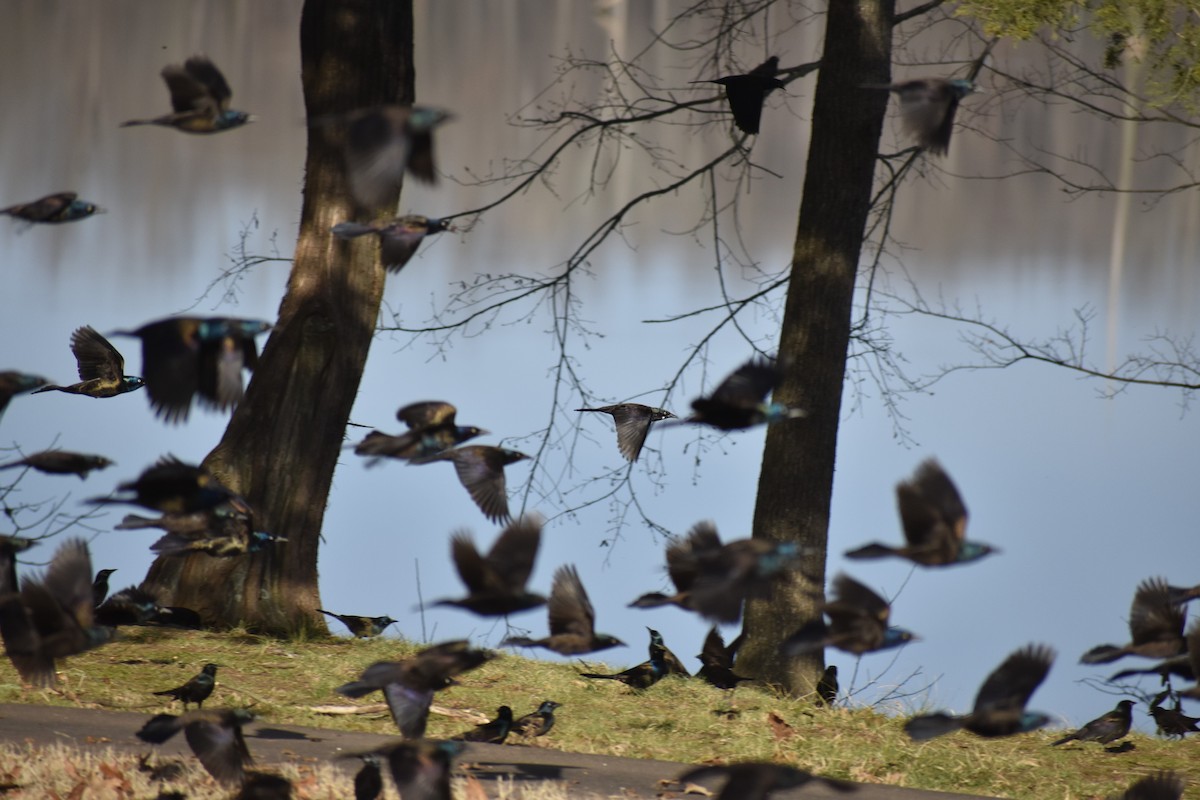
(170, 351)
(514, 552)
(95, 356)
(409, 707)
(220, 747)
(480, 471)
(1010, 685)
(207, 75)
(427, 414)
(749, 384)
(469, 563)
(633, 425)
(1154, 615)
(570, 610)
(220, 376)
(69, 581)
(377, 152)
(188, 95)
(851, 595)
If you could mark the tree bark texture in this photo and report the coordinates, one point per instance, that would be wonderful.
(285, 437)
(796, 482)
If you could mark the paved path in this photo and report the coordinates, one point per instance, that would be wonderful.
(598, 775)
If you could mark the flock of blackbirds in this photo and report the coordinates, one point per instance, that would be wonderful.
(67, 609)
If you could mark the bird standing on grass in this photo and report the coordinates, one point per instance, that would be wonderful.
(361, 627)
(537, 723)
(633, 421)
(53, 208)
(99, 586)
(672, 662)
(492, 732)
(1155, 624)
(572, 620)
(101, 367)
(214, 736)
(1172, 722)
(1104, 729)
(196, 690)
(496, 582)
(398, 240)
(641, 676)
(717, 661)
(827, 686)
(199, 99)
(858, 623)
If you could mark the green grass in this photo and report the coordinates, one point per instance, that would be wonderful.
(675, 720)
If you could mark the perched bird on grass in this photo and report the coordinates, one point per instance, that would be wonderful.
(496, 582)
(1172, 722)
(408, 686)
(638, 677)
(99, 586)
(13, 383)
(383, 143)
(132, 605)
(53, 208)
(1104, 729)
(196, 690)
(199, 99)
(361, 627)
(1000, 705)
(935, 523)
(480, 470)
(754, 780)
(431, 430)
(101, 367)
(1159, 786)
(214, 736)
(672, 662)
(173, 487)
(572, 620)
(60, 462)
(827, 686)
(492, 732)
(927, 106)
(186, 356)
(420, 769)
(717, 661)
(633, 421)
(1155, 623)
(537, 723)
(740, 401)
(858, 623)
(747, 93)
(398, 240)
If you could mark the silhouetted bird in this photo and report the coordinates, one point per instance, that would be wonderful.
(13, 383)
(740, 401)
(1172, 722)
(492, 732)
(214, 736)
(633, 421)
(537, 723)
(480, 469)
(431, 430)
(398, 240)
(197, 689)
(99, 586)
(1156, 625)
(408, 686)
(368, 781)
(61, 462)
(1000, 704)
(858, 623)
(927, 106)
(173, 487)
(674, 665)
(747, 93)
(496, 583)
(264, 786)
(101, 367)
(1160, 786)
(199, 99)
(383, 142)
(9, 547)
(1104, 729)
(827, 686)
(717, 661)
(754, 780)
(361, 627)
(52, 617)
(185, 356)
(572, 620)
(420, 769)
(935, 522)
(59, 207)
(132, 605)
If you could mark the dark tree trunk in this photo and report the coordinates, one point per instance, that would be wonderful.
(796, 481)
(284, 439)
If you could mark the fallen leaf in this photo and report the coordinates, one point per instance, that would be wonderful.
(695, 788)
(473, 789)
(779, 728)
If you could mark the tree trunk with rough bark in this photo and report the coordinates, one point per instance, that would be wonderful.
(796, 481)
(283, 441)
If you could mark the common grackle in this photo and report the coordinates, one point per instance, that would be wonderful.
(214, 736)
(53, 208)
(408, 686)
(99, 586)
(431, 430)
(496, 583)
(827, 686)
(858, 623)
(9, 547)
(420, 769)
(186, 356)
(1172, 722)
(223, 545)
(199, 99)
(480, 470)
(1192, 645)
(196, 690)
(264, 786)
(754, 780)
(683, 566)
(1155, 623)
(173, 487)
(398, 240)
(572, 620)
(61, 462)
(52, 617)
(927, 106)
(717, 661)
(384, 142)
(1159, 786)
(1104, 729)
(361, 627)
(1000, 705)
(935, 522)
(224, 531)
(674, 665)
(132, 605)
(13, 383)
(1179, 666)
(641, 676)
(368, 781)
(747, 93)
(740, 401)
(537, 723)
(101, 367)
(633, 421)
(492, 732)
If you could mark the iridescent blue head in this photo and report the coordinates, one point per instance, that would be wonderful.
(961, 87)
(973, 551)
(131, 382)
(231, 119)
(426, 118)
(1032, 720)
(655, 637)
(894, 637)
(260, 540)
(777, 412)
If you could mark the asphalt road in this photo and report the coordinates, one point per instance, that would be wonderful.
(584, 774)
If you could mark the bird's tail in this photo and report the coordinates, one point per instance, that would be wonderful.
(518, 641)
(1064, 740)
(809, 639)
(49, 387)
(133, 522)
(651, 600)
(351, 230)
(872, 550)
(599, 676)
(927, 726)
(356, 689)
(1102, 654)
(160, 728)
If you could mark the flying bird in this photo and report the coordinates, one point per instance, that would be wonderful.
(214, 736)
(1193, 650)
(361, 627)
(633, 421)
(537, 723)
(927, 106)
(420, 769)
(492, 732)
(572, 620)
(716, 660)
(1000, 705)
(754, 780)
(53, 208)
(398, 240)
(480, 470)
(431, 430)
(1104, 729)
(747, 93)
(226, 530)
(13, 383)
(1159, 786)
(61, 462)
(101, 367)
(196, 689)
(858, 623)
(1155, 624)
(683, 567)
(199, 99)
(368, 781)
(740, 401)
(173, 487)
(496, 582)
(383, 143)
(934, 519)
